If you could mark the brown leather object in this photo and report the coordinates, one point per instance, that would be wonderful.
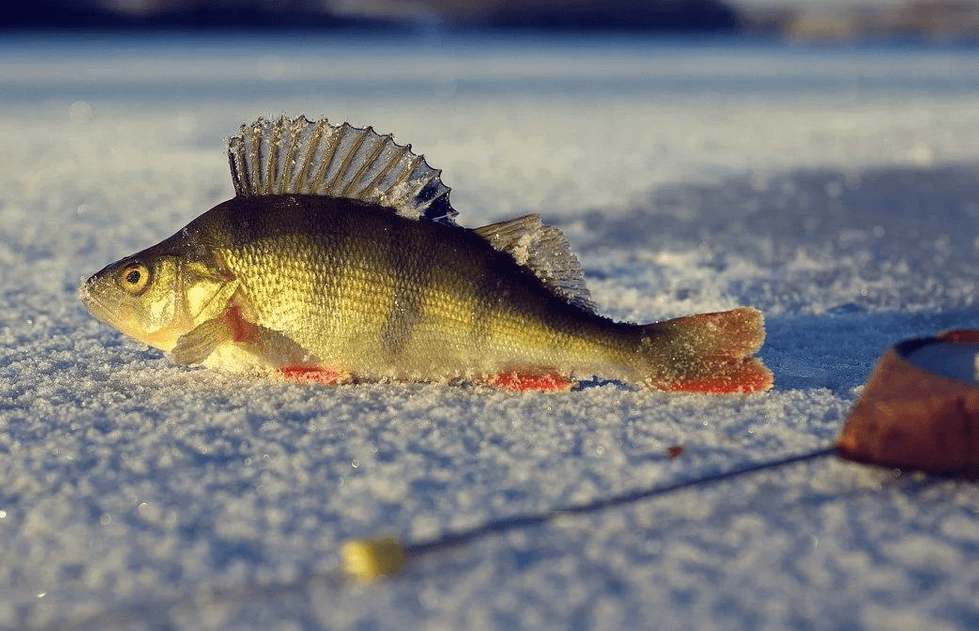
(909, 417)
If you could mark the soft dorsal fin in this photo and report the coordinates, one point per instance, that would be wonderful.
(302, 157)
(545, 251)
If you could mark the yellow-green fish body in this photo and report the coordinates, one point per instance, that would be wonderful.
(339, 256)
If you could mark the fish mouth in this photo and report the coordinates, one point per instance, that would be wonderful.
(91, 301)
(85, 296)
(109, 311)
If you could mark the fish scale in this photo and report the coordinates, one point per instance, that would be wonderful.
(339, 256)
(347, 317)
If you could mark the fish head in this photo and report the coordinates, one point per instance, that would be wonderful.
(141, 296)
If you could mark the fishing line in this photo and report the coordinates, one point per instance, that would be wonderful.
(369, 559)
(536, 519)
(377, 558)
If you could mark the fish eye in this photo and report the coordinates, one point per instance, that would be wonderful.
(134, 278)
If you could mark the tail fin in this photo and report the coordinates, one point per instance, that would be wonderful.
(709, 352)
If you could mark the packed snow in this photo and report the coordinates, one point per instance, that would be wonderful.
(838, 191)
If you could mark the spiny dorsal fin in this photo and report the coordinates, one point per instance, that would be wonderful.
(544, 250)
(298, 156)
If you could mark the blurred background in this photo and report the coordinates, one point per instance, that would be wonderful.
(796, 19)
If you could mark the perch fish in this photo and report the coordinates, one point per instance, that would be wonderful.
(339, 260)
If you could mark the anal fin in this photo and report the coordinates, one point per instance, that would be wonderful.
(529, 380)
(305, 374)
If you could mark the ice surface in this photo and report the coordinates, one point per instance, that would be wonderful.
(836, 191)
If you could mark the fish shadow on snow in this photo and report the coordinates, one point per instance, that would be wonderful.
(838, 351)
(843, 263)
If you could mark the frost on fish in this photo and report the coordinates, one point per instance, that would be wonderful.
(543, 250)
(338, 261)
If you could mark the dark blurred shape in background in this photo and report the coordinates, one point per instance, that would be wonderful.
(613, 15)
(190, 14)
(616, 15)
(913, 20)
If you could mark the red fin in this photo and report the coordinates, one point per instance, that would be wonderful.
(305, 374)
(747, 377)
(735, 333)
(524, 381)
(709, 352)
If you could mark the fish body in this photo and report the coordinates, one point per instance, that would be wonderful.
(356, 271)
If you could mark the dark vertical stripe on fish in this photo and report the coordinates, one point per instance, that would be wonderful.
(487, 296)
(345, 255)
(408, 300)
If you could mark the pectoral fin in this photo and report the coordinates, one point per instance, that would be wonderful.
(250, 345)
(194, 347)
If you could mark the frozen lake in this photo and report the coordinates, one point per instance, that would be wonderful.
(837, 190)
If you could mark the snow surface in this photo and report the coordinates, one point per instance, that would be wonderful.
(837, 191)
